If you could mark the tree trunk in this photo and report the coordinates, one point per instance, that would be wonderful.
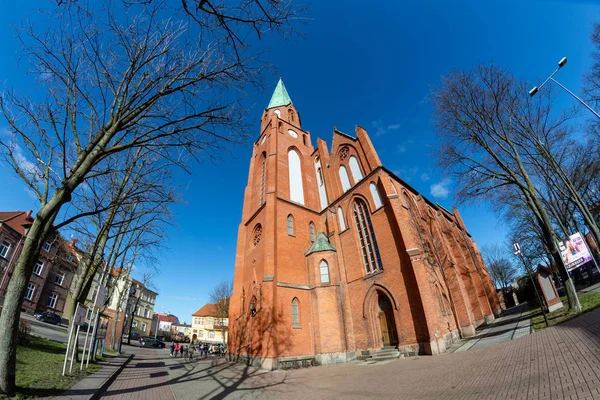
(15, 292)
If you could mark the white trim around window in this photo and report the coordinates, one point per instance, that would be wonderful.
(4, 248)
(39, 267)
(30, 291)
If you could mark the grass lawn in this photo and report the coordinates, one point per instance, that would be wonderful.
(39, 369)
(588, 301)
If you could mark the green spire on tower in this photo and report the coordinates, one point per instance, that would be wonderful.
(280, 96)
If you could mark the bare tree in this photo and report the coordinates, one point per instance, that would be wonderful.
(485, 120)
(501, 268)
(220, 296)
(112, 77)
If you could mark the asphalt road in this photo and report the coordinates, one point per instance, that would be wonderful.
(56, 333)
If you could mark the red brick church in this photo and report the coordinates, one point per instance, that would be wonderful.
(337, 257)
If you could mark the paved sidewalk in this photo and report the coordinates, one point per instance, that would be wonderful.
(145, 377)
(560, 362)
(88, 386)
(513, 324)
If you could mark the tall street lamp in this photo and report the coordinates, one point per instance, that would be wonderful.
(561, 63)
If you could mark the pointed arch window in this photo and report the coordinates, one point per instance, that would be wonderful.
(290, 116)
(290, 225)
(355, 170)
(263, 176)
(341, 219)
(295, 313)
(278, 113)
(311, 232)
(295, 172)
(366, 236)
(324, 269)
(344, 178)
(375, 194)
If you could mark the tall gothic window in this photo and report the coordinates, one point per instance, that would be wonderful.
(295, 172)
(295, 314)
(311, 232)
(324, 269)
(366, 235)
(263, 174)
(341, 219)
(344, 178)
(355, 170)
(375, 194)
(290, 225)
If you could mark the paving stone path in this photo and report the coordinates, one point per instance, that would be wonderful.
(561, 362)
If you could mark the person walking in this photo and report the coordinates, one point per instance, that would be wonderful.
(181, 350)
(191, 351)
(172, 348)
(176, 349)
(201, 349)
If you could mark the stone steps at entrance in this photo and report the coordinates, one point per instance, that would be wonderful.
(385, 353)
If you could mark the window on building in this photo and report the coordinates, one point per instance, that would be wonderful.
(144, 326)
(146, 313)
(324, 271)
(139, 311)
(278, 113)
(355, 170)
(366, 235)
(375, 194)
(201, 334)
(195, 331)
(295, 175)
(211, 334)
(47, 245)
(344, 178)
(341, 219)
(209, 321)
(59, 278)
(290, 225)
(39, 266)
(52, 300)
(290, 116)
(311, 232)
(295, 314)
(89, 314)
(4, 248)
(29, 292)
(69, 258)
(263, 176)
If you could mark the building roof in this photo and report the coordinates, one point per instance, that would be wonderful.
(280, 96)
(167, 318)
(321, 244)
(208, 310)
(19, 221)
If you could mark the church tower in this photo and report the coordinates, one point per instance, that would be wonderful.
(270, 309)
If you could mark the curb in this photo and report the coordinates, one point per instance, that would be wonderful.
(100, 391)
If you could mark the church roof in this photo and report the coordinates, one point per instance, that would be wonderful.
(321, 244)
(280, 96)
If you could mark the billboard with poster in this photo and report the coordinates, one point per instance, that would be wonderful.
(574, 251)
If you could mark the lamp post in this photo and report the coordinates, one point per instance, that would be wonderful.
(562, 63)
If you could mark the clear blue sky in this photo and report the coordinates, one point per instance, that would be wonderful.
(359, 63)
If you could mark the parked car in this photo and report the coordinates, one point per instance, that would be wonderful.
(148, 341)
(48, 317)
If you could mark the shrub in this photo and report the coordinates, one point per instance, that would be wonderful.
(23, 333)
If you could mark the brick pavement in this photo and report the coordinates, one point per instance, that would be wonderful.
(561, 362)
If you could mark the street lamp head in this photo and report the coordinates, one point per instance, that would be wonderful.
(562, 62)
(533, 91)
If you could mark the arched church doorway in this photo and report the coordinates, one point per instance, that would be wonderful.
(387, 322)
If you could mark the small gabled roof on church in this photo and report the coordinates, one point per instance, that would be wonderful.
(321, 244)
(280, 96)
